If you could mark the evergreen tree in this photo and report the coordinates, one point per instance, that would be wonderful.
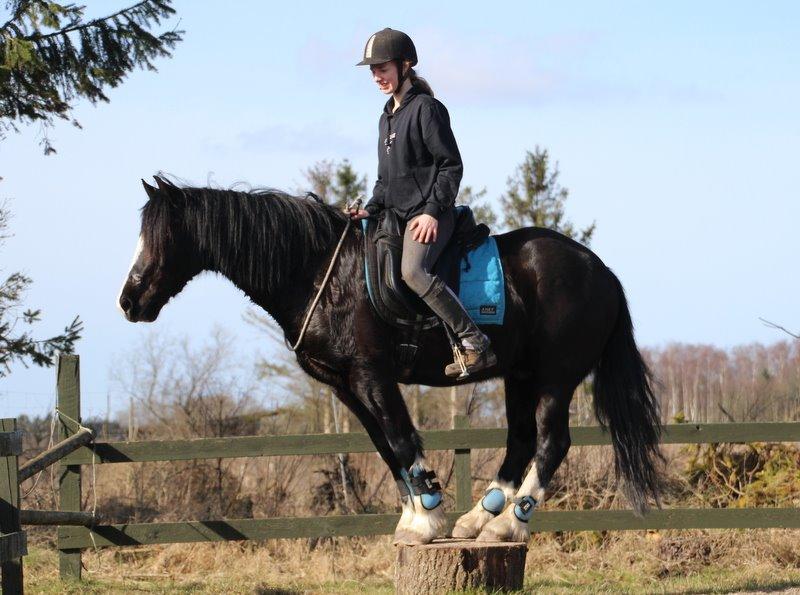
(17, 344)
(534, 197)
(484, 213)
(50, 57)
(336, 184)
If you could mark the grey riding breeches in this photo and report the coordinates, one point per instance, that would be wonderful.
(418, 259)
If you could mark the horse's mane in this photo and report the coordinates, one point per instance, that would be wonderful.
(261, 236)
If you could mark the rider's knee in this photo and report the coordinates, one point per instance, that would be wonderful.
(416, 278)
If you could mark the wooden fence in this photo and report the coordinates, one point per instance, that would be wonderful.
(12, 538)
(73, 539)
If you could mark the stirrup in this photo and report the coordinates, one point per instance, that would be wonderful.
(458, 357)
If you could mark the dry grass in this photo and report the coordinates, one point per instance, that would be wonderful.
(589, 562)
(663, 562)
(630, 562)
(344, 565)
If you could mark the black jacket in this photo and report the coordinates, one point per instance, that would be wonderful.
(419, 166)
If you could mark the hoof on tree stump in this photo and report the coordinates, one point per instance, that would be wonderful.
(456, 564)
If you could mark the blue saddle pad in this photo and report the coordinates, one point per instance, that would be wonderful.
(482, 286)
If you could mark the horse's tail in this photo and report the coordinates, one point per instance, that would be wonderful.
(625, 404)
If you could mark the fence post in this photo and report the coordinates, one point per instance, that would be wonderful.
(462, 468)
(9, 514)
(69, 482)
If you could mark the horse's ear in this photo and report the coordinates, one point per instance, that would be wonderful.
(163, 185)
(151, 191)
(170, 190)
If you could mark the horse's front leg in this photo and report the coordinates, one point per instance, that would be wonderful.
(423, 516)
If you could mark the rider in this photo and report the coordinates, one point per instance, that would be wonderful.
(419, 171)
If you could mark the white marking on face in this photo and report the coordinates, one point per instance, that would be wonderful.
(136, 254)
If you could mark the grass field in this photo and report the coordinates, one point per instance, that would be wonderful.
(636, 562)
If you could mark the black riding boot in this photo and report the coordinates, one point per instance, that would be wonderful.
(446, 305)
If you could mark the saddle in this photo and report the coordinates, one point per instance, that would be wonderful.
(393, 301)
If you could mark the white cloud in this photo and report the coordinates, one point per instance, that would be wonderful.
(499, 69)
(317, 138)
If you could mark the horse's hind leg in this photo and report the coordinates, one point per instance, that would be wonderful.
(423, 516)
(521, 400)
(552, 444)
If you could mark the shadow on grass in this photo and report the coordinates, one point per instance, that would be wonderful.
(771, 586)
(692, 585)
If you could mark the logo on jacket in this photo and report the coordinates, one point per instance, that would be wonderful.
(388, 141)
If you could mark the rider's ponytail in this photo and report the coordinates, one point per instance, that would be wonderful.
(419, 81)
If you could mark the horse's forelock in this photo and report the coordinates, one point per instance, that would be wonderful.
(157, 222)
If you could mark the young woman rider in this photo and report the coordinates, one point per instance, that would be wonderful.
(419, 171)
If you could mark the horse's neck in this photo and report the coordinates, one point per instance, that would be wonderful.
(286, 303)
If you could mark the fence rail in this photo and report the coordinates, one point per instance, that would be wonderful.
(384, 524)
(355, 442)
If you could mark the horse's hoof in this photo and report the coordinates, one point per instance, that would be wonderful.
(462, 532)
(423, 526)
(408, 537)
(506, 528)
(469, 525)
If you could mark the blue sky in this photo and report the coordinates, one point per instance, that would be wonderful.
(675, 126)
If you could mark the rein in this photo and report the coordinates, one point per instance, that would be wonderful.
(356, 205)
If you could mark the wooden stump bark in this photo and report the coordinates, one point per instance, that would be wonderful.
(456, 564)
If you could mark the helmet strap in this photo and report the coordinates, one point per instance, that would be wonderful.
(401, 76)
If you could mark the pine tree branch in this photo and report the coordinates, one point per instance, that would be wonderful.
(42, 73)
(14, 17)
(88, 24)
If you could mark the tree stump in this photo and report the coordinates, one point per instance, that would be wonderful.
(458, 564)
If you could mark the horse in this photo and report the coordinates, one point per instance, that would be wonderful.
(566, 318)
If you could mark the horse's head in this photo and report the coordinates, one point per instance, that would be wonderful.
(162, 264)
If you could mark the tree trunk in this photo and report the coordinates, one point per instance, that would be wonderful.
(453, 564)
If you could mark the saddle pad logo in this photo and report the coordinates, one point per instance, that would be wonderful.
(488, 310)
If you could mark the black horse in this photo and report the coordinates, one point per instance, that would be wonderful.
(566, 317)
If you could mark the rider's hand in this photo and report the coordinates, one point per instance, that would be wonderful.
(355, 215)
(424, 228)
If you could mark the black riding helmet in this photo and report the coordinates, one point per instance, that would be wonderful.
(387, 45)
